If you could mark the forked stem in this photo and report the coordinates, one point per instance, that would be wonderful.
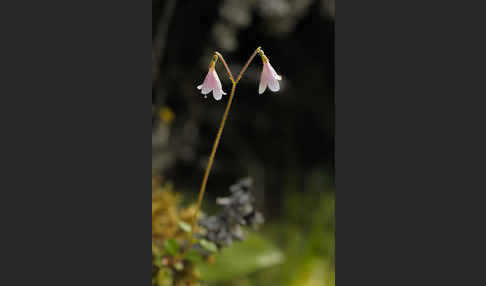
(216, 141)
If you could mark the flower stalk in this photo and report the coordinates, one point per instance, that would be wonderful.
(215, 85)
(210, 164)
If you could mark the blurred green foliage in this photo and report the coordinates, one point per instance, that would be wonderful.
(297, 250)
(240, 259)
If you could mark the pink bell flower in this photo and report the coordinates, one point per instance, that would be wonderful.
(269, 77)
(212, 83)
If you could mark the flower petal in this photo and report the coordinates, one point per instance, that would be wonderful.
(217, 94)
(218, 87)
(262, 87)
(212, 83)
(274, 85)
(273, 72)
(269, 78)
(263, 80)
(206, 89)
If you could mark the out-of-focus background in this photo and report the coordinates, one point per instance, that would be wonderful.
(284, 140)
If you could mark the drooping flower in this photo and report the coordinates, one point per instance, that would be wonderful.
(269, 77)
(212, 83)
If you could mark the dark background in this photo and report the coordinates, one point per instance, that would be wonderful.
(283, 140)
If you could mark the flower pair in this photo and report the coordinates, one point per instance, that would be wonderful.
(268, 78)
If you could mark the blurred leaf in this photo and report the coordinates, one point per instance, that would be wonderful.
(164, 277)
(314, 272)
(158, 260)
(155, 249)
(240, 259)
(184, 226)
(208, 245)
(171, 246)
(193, 256)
